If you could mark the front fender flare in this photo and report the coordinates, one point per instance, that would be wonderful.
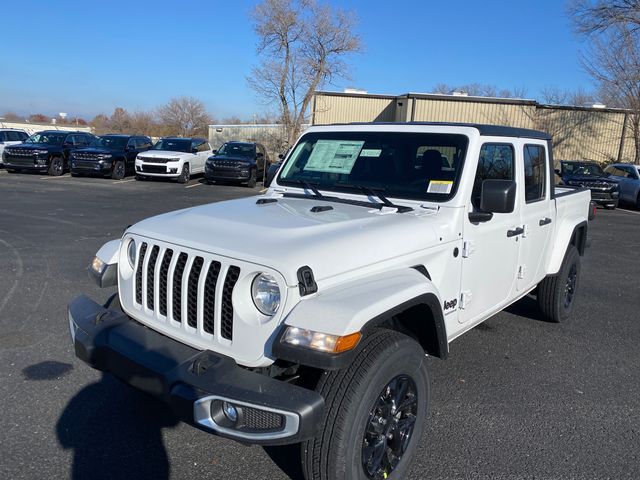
(359, 306)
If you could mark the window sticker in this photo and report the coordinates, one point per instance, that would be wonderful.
(440, 186)
(370, 152)
(334, 156)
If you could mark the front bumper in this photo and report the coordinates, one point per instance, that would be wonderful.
(158, 170)
(604, 197)
(230, 174)
(196, 384)
(25, 163)
(88, 167)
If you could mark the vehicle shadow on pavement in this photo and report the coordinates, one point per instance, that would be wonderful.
(526, 307)
(115, 432)
(287, 458)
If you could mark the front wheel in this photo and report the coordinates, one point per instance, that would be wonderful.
(375, 415)
(251, 183)
(118, 172)
(556, 294)
(184, 175)
(56, 167)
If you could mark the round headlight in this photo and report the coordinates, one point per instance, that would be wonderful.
(131, 253)
(266, 294)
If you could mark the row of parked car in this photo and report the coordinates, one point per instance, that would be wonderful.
(618, 182)
(116, 156)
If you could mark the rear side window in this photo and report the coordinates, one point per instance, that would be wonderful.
(496, 162)
(535, 172)
(203, 147)
(14, 137)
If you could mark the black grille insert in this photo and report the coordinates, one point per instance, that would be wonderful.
(226, 323)
(164, 270)
(177, 286)
(151, 276)
(209, 300)
(192, 292)
(143, 251)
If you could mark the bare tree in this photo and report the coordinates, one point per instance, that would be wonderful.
(558, 96)
(185, 116)
(613, 61)
(303, 46)
(11, 116)
(39, 118)
(593, 17)
(480, 90)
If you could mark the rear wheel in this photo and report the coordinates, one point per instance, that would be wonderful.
(56, 167)
(118, 172)
(185, 175)
(556, 294)
(375, 412)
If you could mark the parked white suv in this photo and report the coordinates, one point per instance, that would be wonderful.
(174, 157)
(11, 136)
(304, 315)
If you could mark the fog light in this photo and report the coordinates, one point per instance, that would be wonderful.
(230, 411)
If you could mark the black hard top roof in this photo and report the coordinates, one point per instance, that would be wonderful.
(486, 130)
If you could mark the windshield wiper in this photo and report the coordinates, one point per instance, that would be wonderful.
(308, 186)
(376, 192)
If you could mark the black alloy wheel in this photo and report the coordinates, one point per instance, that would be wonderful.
(56, 168)
(389, 428)
(118, 172)
(570, 285)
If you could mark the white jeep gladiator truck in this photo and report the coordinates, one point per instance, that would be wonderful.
(380, 244)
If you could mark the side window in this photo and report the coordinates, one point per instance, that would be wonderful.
(4, 137)
(132, 143)
(615, 170)
(535, 172)
(12, 136)
(496, 162)
(203, 147)
(23, 136)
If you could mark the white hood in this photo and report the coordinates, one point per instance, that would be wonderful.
(285, 235)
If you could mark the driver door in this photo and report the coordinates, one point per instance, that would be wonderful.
(490, 252)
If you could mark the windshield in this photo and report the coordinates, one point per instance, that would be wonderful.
(48, 138)
(173, 145)
(114, 143)
(237, 150)
(419, 166)
(583, 169)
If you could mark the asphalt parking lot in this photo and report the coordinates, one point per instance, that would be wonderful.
(517, 398)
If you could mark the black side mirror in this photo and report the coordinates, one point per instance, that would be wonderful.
(214, 152)
(194, 150)
(281, 156)
(498, 196)
(259, 155)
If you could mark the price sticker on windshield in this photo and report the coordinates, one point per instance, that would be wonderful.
(334, 156)
(440, 186)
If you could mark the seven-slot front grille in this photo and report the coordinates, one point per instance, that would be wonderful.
(171, 284)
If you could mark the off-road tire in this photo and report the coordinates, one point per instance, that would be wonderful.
(554, 298)
(185, 175)
(251, 183)
(119, 171)
(350, 394)
(56, 167)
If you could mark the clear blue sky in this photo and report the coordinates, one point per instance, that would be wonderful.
(89, 57)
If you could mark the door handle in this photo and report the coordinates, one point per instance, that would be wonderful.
(515, 232)
(544, 221)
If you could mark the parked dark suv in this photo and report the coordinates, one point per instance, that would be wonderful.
(109, 155)
(242, 162)
(604, 190)
(45, 151)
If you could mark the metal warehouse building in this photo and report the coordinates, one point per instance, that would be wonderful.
(579, 133)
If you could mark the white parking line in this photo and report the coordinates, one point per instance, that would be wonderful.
(194, 185)
(629, 211)
(124, 181)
